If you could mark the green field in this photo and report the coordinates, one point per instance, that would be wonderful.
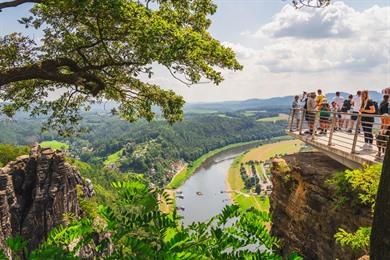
(273, 119)
(261, 153)
(113, 158)
(235, 183)
(187, 172)
(267, 151)
(54, 145)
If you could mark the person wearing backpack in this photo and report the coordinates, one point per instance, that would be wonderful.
(345, 117)
(367, 109)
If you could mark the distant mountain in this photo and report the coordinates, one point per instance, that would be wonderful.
(230, 106)
(215, 107)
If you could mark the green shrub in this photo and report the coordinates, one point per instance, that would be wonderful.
(358, 241)
(9, 152)
(139, 230)
(358, 188)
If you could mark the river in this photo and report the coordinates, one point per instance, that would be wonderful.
(209, 180)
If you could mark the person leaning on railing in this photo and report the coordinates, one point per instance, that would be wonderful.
(367, 108)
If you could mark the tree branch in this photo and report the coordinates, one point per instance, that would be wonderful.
(16, 3)
(51, 70)
(311, 3)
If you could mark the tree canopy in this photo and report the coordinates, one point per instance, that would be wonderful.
(107, 50)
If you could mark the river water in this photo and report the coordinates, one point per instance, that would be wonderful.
(209, 180)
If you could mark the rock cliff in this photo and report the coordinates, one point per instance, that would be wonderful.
(35, 191)
(305, 210)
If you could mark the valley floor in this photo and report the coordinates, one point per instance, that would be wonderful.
(243, 197)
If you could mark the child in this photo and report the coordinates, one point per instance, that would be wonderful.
(324, 117)
(382, 140)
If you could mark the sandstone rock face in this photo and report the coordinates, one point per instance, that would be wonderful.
(35, 192)
(305, 209)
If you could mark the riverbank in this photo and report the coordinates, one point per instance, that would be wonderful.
(234, 181)
(181, 177)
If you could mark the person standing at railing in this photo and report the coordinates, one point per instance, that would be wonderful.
(384, 112)
(356, 105)
(303, 98)
(339, 100)
(345, 118)
(324, 117)
(367, 108)
(296, 115)
(383, 137)
(319, 99)
(311, 111)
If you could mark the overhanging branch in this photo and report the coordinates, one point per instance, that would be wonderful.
(51, 70)
(16, 3)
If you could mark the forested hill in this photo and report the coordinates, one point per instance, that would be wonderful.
(268, 103)
(155, 148)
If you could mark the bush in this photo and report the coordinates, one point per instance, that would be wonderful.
(9, 152)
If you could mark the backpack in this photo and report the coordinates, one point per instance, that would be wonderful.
(346, 106)
(324, 112)
(376, 107)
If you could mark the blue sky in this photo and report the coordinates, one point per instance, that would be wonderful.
(285, 51)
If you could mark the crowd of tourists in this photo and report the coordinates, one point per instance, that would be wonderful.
(349, 108)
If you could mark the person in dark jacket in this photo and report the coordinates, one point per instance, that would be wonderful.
(345, 109)
(367, 110)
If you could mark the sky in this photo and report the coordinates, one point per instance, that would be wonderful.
(285, 51)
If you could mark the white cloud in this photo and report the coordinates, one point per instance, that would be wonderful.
(311, 23)
(336, 48)
(333, 38)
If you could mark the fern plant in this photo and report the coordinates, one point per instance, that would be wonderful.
(358, 241)
(357, 187)
(134, 227)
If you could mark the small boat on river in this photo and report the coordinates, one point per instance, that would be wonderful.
(199, 193)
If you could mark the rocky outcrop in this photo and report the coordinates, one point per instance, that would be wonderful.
(35, 192)
(306, 213)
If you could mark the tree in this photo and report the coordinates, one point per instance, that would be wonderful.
(92, 51)
(380, 234)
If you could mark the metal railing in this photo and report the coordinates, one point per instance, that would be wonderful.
(365, 134)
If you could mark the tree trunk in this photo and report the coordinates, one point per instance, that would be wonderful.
(380, 235)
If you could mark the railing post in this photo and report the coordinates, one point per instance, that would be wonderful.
(291, 123)
(357, 127)
(301, 122)
(316, 118)
(332, 125)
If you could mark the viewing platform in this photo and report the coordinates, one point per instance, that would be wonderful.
(344, 144)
